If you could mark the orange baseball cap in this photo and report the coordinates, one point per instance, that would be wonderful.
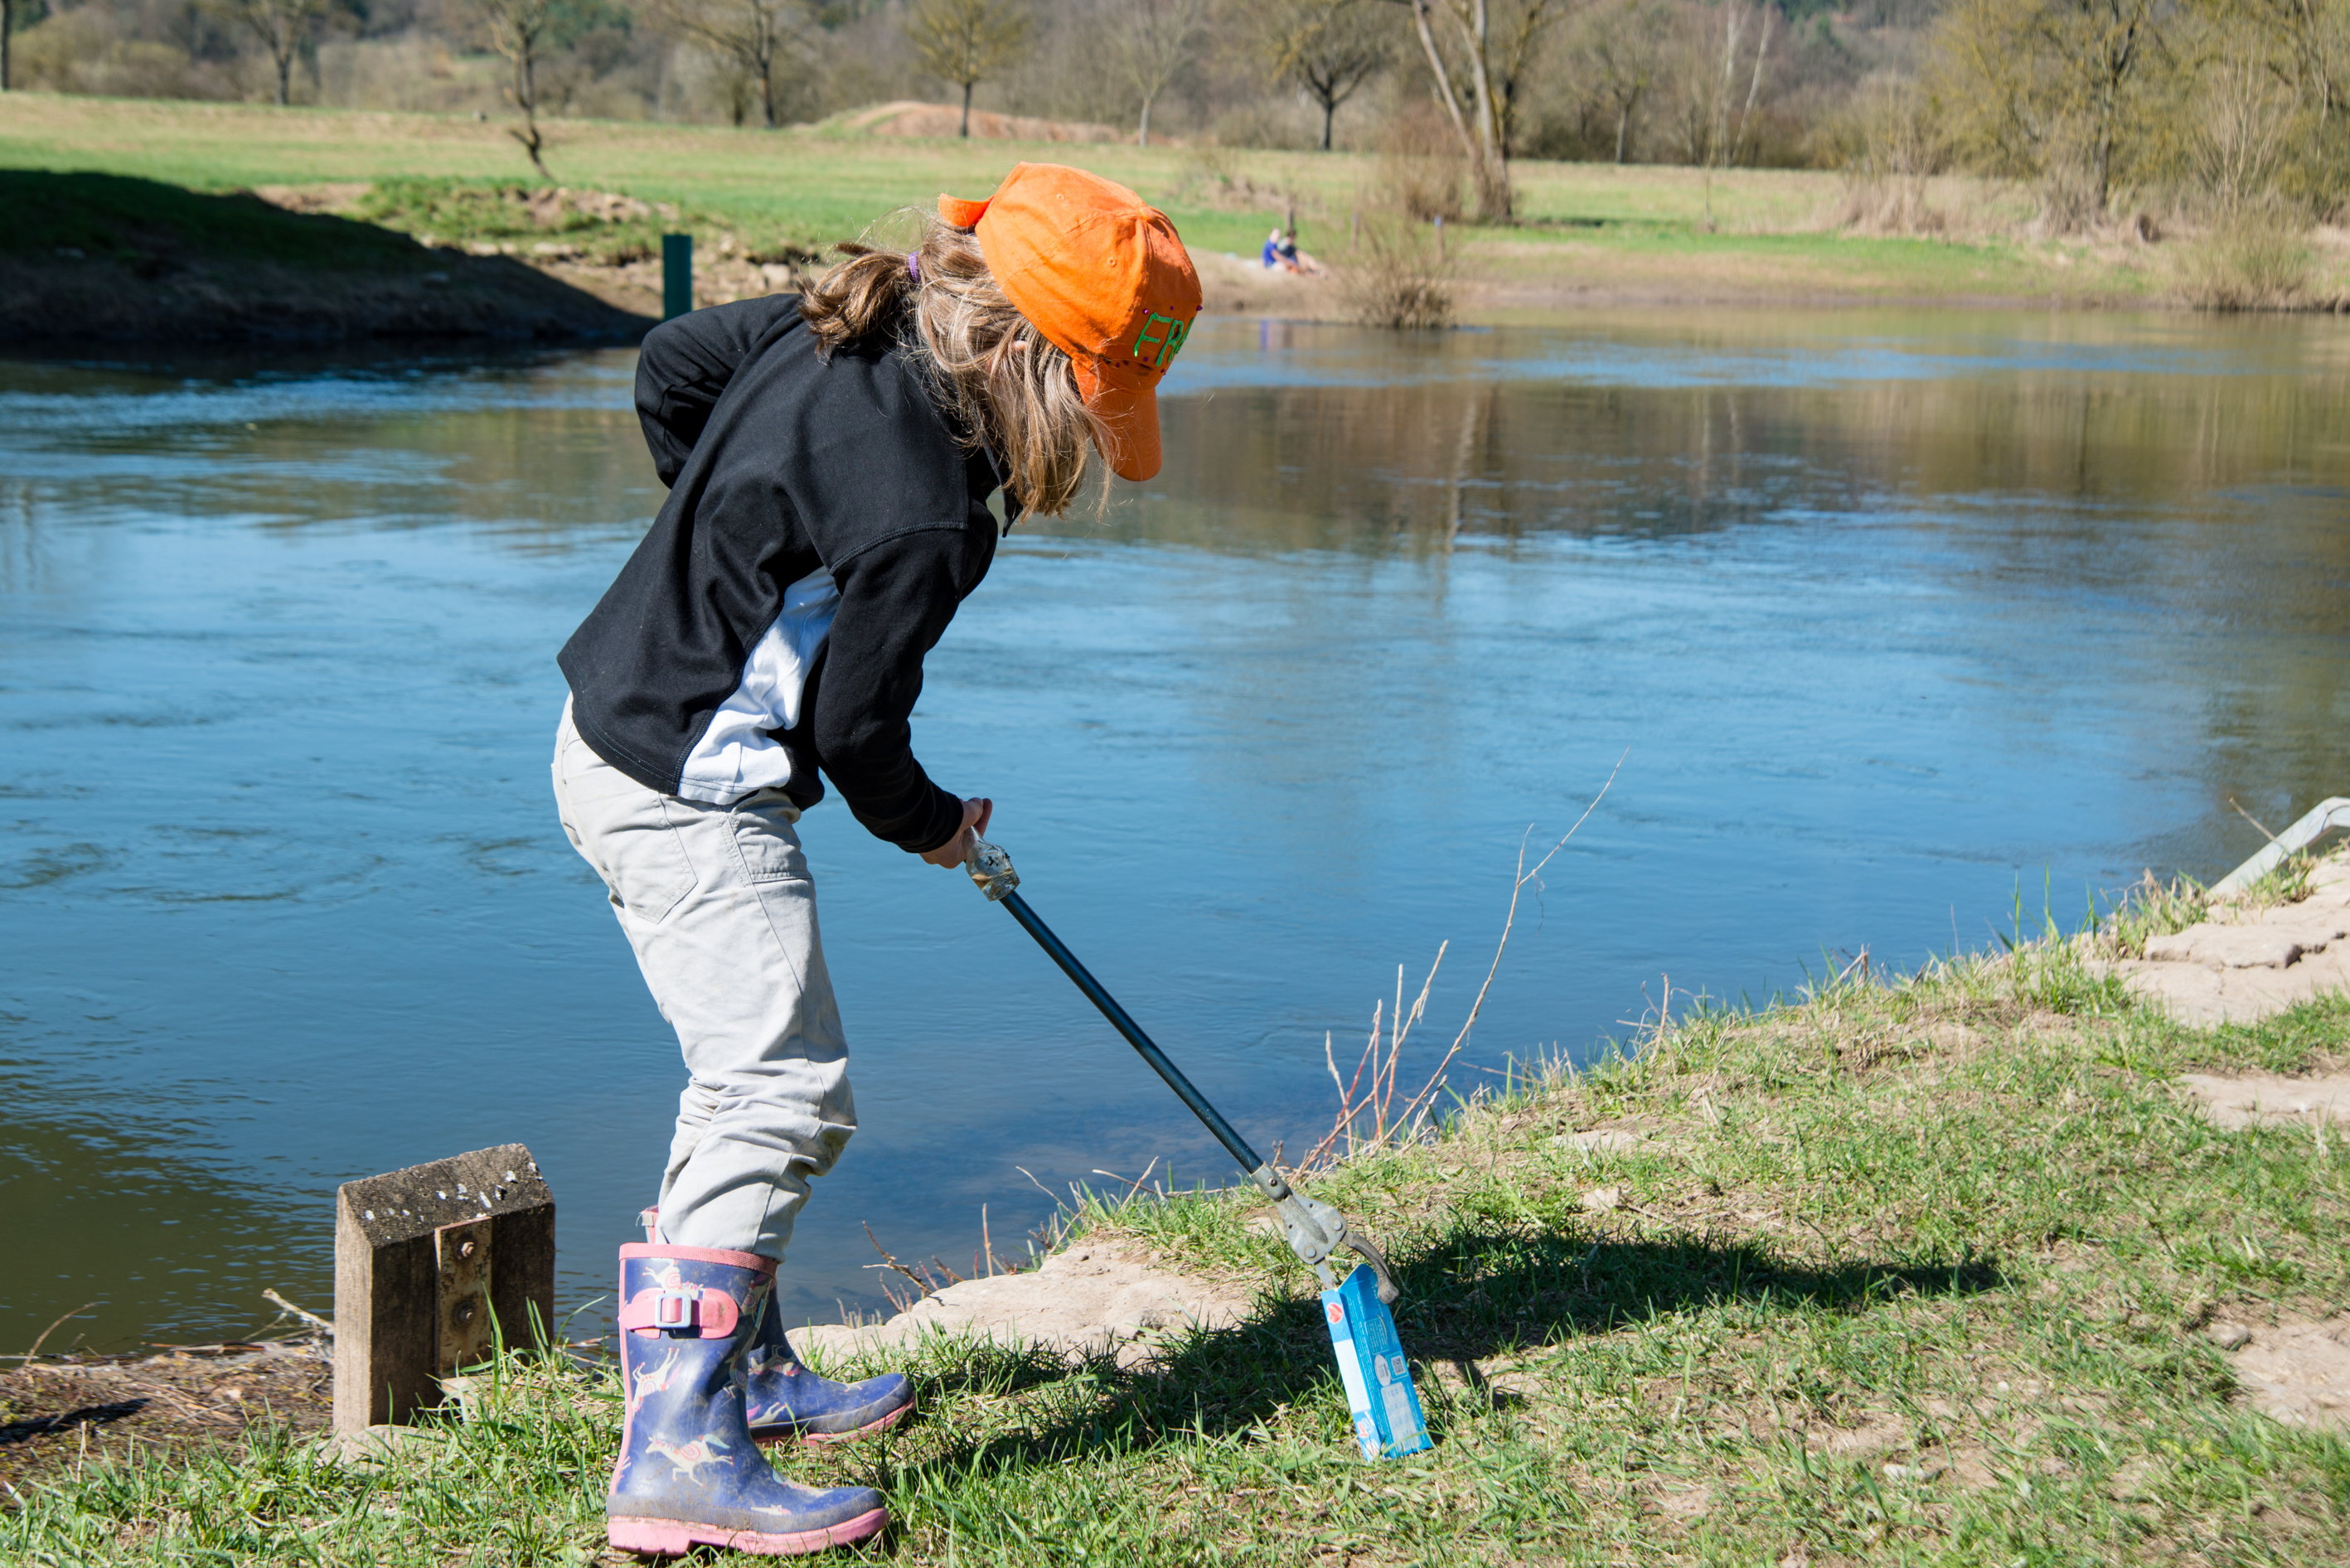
(1104, 277)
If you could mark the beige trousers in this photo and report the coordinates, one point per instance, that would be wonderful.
(717, 903)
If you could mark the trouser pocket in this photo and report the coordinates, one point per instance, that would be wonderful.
(767, 846)
(650, 871)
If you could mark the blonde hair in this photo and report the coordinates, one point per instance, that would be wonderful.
(1012, 388)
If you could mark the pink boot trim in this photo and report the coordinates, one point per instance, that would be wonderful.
(674, 1538)
(698, 1255)
(769, 1438)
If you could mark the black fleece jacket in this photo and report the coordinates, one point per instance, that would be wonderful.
(784, 470)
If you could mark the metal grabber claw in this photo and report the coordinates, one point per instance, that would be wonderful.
(1317, 1232)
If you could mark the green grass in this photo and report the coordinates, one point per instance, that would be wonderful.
(1639, 231)
(2154, 909)
(448, 211)
(1901, 1273)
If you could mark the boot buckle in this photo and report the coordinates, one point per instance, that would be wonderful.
(699, 1311)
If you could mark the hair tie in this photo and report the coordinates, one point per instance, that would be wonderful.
(913, 269)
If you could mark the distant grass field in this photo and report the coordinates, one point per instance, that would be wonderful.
(1586, 231)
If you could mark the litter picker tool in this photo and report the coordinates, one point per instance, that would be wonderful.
(1388, 1419)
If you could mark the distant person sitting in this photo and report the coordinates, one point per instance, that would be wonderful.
(1292, 258)
(1282, 255)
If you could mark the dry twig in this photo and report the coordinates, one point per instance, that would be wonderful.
(920, 1274)
(1384, 1063)
(324, 1326)
(28, 1357)
(1135, 1185)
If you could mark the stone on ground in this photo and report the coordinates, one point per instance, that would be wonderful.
(1091, 1300)
(2263, 1099)
(2299, 1372)
(2242, 965)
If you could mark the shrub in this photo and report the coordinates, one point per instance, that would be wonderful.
(1420, 165)
(86, 51)
(1888, 144)
(1394, 276)
(2253, 258)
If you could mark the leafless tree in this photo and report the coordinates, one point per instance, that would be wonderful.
(2241, 141)
(518, 30)
(1478, 68)
(1522, 32)
(967, 42)
(1151, 38)
(1730, 141)
(1329, 48)
(283, 26)
(1619, 50)
(1708, 108)
(7, 28)
(2314, 36)
(755, 35)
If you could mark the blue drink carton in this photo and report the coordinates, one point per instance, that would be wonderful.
(1388, 1420)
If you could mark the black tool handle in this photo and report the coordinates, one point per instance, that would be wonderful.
(1061, 955)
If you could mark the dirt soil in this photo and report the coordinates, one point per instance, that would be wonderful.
(939, 121)
(1094, 1298)
(2297, 1372)
(1240, 285)
(2242, 964)
(53, 1414)
(2264, 1099)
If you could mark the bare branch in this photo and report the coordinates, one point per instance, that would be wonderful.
(324, 1326)
(966, 42)
(1151, 39)
(1389, 1125)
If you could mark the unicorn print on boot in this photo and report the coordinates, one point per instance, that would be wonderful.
(787, 1400)
(689, 1472)
(784, 1399)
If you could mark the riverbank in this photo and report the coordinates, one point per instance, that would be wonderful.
(759, 203)
(112, 257)
(1954, 1267)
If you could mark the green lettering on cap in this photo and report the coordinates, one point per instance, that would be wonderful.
(1164, 333)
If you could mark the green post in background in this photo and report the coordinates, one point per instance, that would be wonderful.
(677, 275)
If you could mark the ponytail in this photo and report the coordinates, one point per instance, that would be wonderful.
(1012, 388)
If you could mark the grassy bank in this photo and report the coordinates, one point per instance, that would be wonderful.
(1921, 1272)
(1590, 232)
(106, 256)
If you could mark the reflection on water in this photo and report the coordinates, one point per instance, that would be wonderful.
(1887, 613)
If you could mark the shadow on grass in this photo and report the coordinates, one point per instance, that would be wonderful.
(150, 227)
(87, 1416)
(89, 255)
(1474, 1294)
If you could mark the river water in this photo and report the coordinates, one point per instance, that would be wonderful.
(1890, 618)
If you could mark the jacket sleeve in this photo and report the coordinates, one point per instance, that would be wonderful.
(897, 596)
(685, 364)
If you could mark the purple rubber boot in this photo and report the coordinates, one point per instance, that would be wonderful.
(784, 1399)
(787, 1400)
(688, 1473)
